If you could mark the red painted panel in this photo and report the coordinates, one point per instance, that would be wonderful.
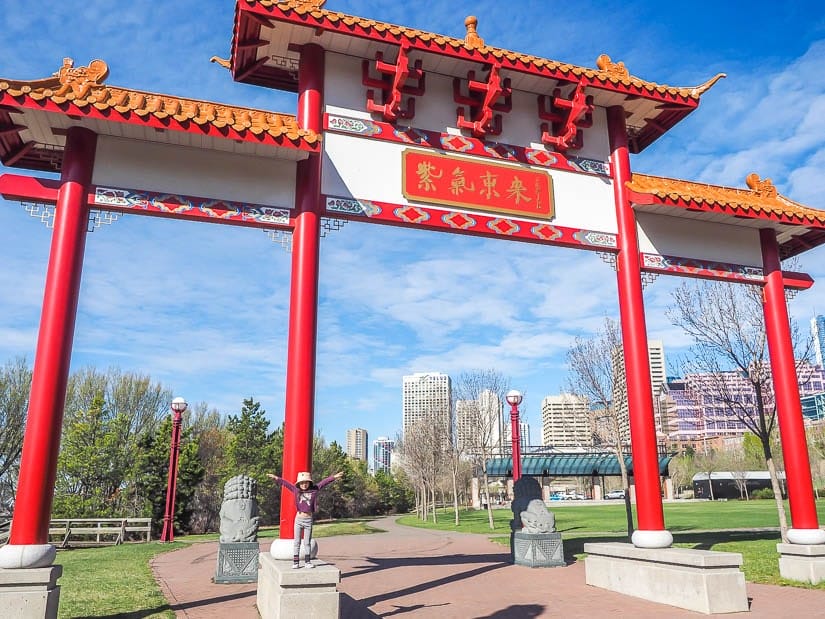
(456, 181)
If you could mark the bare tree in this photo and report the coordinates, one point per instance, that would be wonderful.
(422, 451)
(816, 452)
(681, 469)
(594, 367)
(726, 322)
(479, 397)
(15, 382)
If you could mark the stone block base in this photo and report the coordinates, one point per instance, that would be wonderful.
(801, 562)
(284, 593)
(700, 580)
(30, 593)
(538, 549)
(237, 562)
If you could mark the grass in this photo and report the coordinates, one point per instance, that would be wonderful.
(116, 580)
(733, 526)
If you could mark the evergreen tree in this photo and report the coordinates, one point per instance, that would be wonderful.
(151, 472)
(252, 450)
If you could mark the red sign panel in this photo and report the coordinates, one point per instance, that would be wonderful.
(476, 185)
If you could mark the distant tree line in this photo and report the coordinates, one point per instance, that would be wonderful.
(114, 455)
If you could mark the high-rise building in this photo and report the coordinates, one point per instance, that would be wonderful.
(382, 454)
(658, 377)
(427, 397)
(701, 415)
(357, 444)
(565, 421)
(478, 423)
(818, 334)
(523, 435)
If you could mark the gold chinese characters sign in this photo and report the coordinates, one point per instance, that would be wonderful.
(476, 185)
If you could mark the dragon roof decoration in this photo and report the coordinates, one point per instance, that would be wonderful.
(760, 199)
(83, 87)
(606, 71)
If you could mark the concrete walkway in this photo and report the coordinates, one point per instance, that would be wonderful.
(409, 572)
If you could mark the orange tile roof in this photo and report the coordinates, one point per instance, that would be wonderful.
(761, 200)
(83, 87)
(607, 72)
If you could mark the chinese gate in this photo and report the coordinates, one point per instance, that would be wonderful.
(400, 127)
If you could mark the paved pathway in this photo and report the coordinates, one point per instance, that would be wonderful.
(408, 572)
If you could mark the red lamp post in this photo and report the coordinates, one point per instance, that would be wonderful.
(168, 535)
(514, 399)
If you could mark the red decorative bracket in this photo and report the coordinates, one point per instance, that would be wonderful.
(482, 102)
(568, 117)
(392, 84)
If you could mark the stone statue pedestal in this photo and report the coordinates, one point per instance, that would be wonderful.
(284, 593)
(538, 549)
(237, 562)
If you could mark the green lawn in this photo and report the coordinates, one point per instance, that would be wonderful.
(703, 525)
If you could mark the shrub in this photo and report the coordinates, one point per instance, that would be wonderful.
(762, 493)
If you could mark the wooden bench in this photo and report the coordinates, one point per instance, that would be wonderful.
(74, 532)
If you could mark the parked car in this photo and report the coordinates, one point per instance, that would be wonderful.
(575, 496)
(615, 494)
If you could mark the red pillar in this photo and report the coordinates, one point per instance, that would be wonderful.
(38, 464)
(634, 342)
(303, 298)
(805, 527)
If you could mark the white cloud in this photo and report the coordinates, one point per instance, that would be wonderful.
(205, 308)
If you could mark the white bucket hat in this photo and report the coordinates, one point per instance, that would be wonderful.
(302, 477)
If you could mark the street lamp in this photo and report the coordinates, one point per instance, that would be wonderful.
(168, 535)
(514, 399)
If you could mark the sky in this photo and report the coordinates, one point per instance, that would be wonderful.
(203, 309)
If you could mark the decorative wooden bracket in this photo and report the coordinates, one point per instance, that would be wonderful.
(568, 117)
(482, 102)
(392, 84)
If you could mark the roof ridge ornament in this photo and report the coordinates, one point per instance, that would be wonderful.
(80, 80)
(763, 187)
(703, 88)
(472, 40)
(615, 70)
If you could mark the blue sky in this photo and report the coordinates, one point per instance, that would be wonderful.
(203, 308)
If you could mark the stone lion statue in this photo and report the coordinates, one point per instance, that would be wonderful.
(239, 511)
(537, 518)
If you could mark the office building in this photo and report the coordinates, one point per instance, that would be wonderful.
(524, 435)
(427, 397)
(658, 377)
(565, 421)
(478, 423)
(382, 454)
(818, 334)
(357, 444)
(702, 416)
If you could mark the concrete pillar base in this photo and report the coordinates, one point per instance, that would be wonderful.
(704, 581)
(803, 563)
(30, 593)
(282, 549)
(284, 593)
